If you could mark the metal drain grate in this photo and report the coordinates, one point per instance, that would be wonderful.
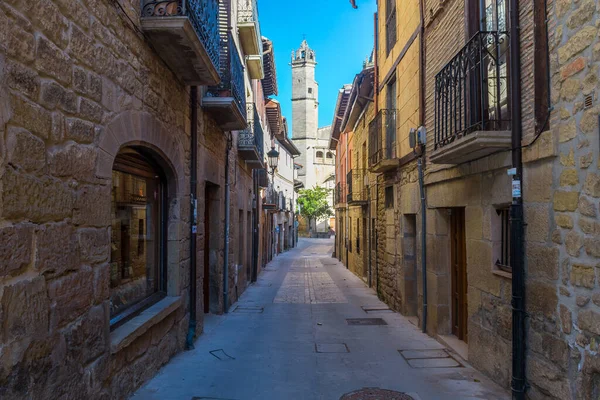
(429, 358)
(249, 310)
(376, 394)
(366, 321)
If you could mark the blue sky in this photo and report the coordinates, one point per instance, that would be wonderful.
(341, 36)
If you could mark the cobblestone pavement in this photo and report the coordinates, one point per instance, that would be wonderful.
(289, 338)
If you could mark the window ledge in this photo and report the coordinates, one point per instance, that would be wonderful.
(124, 335)
(501, 273)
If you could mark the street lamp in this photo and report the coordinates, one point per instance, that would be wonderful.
(273, 156)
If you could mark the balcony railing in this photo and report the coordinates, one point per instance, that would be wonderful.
(472, 100)
(356, 181)
(251, 140)
(186, 36)
(250, 38)
(382, 141)
(227, 100)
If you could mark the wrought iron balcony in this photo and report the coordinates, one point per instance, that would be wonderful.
(271, 200)
(472, 112)
(251, 140)
(339, 195)
(382, 141)
(227, 101)
(357, 183)
(262, 177)
(185, 34)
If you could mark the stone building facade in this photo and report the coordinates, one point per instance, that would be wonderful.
(95, 168)
(469, 192)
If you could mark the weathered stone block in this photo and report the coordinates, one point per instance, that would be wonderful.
(582, 301)
(538, 222)
(538, 177)
(53, 95)
(101, 283)
(569, 177)
(36, 199)
(94, 244)
(589, 320)
(542, 299)
(583, 275)
(32, 117)
(576, 44)
(582, 15)
(592, 246)
(586, 160)
(90, 110)
(16, 249)
(73, 160)
(592, 184)
(489, 353)
(542, 261)
(80, 131)
(568, 160)
(20, 44)
(25, 308)
(25, 150)
(589, 226)
(82, 46)
(57, 250)
(565, 201)
(569, 90)
(92, 206)
(548, 378)
(46, 16)
(71, 296)
(88, 337)
(53, 61)
(568, 130)
(563, 220)
(573, 243)
(562, 7)
(587, 207)
(22, 79)
(566, 319)
(590, 83)
(589, 120)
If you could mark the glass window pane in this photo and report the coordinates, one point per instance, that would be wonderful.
(134, 265)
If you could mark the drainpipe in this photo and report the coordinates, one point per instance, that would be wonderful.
(518, 384)
(193, 214)
(347, 241)
(226, 255)
(255, 217)
(423, 241)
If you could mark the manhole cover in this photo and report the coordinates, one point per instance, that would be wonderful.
(365, 321)
(376, 394)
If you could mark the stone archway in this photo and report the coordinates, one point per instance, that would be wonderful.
(142, 130)
(138, 128)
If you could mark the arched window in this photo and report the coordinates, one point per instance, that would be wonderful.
(329, 154)
(319, 154)
(137, 271)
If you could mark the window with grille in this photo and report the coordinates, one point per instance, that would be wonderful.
(502, 242)
(389, 197)
(390, 25)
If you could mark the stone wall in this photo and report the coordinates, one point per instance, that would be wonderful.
(77, 83)
(564, 243)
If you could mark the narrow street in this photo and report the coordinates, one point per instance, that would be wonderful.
(290, 337)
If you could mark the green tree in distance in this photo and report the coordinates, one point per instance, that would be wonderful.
(313, 204)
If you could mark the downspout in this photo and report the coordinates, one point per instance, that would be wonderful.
(227, 212)
(193, 214)
(376, 107)
(423, 241)
(420, 166)
(347, 241)
(255, 226)
(518, 384)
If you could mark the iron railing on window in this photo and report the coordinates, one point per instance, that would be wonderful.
(340, 193)
(253, 136)
(203, 15)
(231, 72)
(472, 90)
(382, 137)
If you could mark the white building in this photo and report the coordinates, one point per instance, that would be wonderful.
(316, 159)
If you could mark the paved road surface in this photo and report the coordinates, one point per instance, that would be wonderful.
(288, 338)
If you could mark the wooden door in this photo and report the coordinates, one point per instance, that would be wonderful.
(459, 273)
(206, 280)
